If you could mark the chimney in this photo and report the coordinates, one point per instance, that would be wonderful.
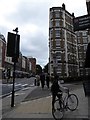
(63, 6)
(73, 14)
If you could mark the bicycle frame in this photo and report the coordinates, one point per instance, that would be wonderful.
(67, 102)
(64, 100)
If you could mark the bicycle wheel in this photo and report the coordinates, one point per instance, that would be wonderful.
(58, 111)
(72, 102)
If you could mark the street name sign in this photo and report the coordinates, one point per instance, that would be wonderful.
(81, 23)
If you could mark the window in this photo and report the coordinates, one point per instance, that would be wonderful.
(81, 64)
(57, 43)
(59, 61)
(85, 40)
(80, 56)
(51, 44)
(84, 33)
(61, 23)
(51, 33)
(79, 40)
(62, 34)
(57, 15)
(80, 48)
(57, 23)
(51, 23)
(61, 14)
(68, 35)
(57, 33)
(59, 67)
(85, 47)
(51, 15)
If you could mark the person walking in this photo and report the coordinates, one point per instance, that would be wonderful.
(38, 80)
(47, 79)
(8, 75)
(42, 78)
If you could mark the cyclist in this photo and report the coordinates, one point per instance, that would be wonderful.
(55, 88)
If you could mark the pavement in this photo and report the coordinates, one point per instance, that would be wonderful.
(41, 107)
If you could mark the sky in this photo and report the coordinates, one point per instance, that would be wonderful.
(32, 19)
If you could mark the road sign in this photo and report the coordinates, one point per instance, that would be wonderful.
(81, 23)
(11, 44)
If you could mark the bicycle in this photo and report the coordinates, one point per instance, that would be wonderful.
(62, 104)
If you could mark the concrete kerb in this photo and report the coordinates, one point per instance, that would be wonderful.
(41, 108)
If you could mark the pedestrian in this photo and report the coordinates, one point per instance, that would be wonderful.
(38, 80)
(42, 78)
(47, 79)
(8, 75)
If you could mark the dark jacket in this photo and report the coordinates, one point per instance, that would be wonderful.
(55, 87)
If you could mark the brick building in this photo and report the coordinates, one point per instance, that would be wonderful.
(62, 43)
(2, 53)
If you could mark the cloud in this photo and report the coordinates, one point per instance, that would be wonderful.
(32, 19)
(36, 46)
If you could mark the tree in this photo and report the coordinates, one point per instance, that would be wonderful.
(38, 69)
(46, 68)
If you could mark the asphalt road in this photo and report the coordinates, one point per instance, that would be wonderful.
(6, 88)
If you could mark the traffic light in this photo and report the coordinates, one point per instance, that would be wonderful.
(12, 41)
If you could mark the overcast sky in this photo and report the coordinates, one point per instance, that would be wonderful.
(32, 19)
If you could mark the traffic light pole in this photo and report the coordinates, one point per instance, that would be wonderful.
(14, 67)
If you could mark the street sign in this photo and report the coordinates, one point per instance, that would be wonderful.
(81, 23)
(11, 44)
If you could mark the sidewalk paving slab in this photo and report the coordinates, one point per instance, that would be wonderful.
(41, 108)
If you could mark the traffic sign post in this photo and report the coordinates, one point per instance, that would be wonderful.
(14, 67)
(13, 51)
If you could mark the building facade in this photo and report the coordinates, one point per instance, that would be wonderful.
(32, 65)
(63, 54)
(24, 66)
(82, 40)
(2, 53)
